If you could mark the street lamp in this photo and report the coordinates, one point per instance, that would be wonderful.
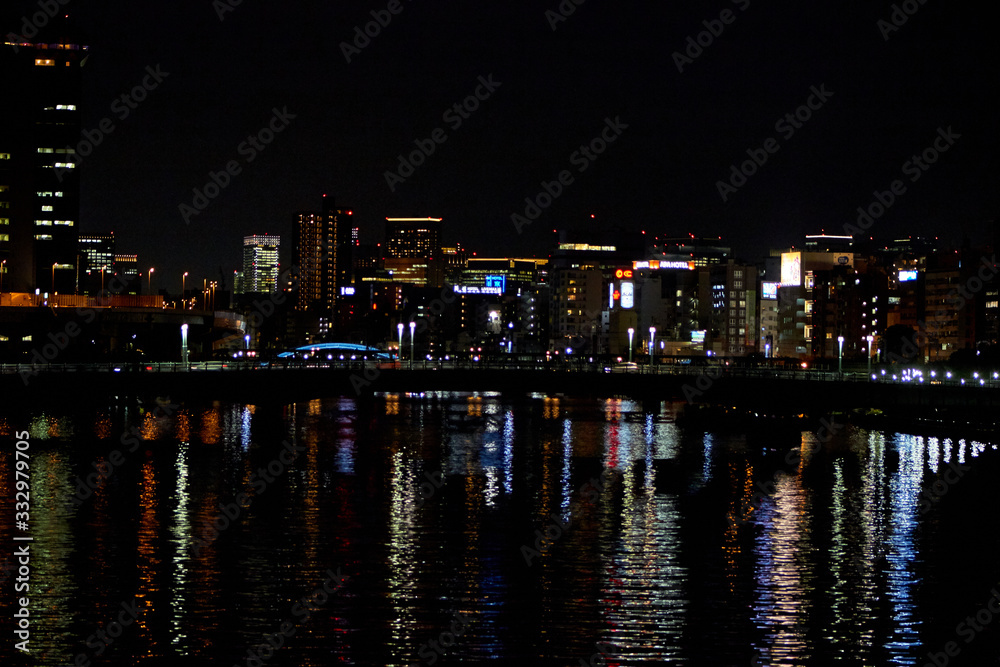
(870, 339)
(246, 339)
(53, 277)
(840, 354)
(150, 288)
(652, 349)
(184, 345)
(399, 328)
(3, 265)
(183, 278)
(631, 332)
(413, 329)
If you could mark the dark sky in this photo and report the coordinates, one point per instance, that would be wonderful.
(606, 60)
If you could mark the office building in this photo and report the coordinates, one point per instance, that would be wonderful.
(39, 183)
(97, 260)
(417, 238)
(260, 264)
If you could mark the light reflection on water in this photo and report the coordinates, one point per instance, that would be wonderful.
(681, 559)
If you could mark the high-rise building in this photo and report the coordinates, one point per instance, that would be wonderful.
(97, 257)
(39, 136)
(322, 256)
(260, 264)
(418, 238)
(127, 270)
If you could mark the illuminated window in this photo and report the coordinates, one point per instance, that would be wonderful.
(4, 221)
(65, 107)
(44, 62)
(4, 156)
(4, 237)
(43, 237)
(4, 204)
(65, 165)
(46, 150)
(43, 223)
(64, 223)
(46, 208)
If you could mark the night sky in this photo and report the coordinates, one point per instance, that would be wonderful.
(557, 87)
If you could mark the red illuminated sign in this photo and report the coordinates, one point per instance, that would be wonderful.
(623, 273)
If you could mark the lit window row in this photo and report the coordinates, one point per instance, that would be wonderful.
(49, 194)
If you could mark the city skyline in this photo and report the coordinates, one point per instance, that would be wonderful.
(864, 100)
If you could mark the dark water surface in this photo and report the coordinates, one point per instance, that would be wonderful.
(670, 544)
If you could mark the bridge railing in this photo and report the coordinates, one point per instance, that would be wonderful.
(714, 371)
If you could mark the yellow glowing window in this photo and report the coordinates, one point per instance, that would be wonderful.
(44, 62)
(4, 237)
(4, 221)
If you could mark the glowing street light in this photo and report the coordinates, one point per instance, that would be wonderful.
(631, 332)
(413, 329)
(3, 265)
(652, 349)
(183, 279)
(399, 328)
(150, 287)
(184, 345)
(53, 278)
(870, 339)
(840, 354)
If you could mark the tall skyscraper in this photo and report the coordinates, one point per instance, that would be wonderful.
(260, 264)
(39, 135)
(321, 253)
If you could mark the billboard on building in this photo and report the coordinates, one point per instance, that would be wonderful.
(769, 290)
(628, 294)
(791, 269)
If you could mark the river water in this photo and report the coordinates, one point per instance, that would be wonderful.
(464, 528)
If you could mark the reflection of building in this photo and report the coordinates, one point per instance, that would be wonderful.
(260, 264)
(39, 184)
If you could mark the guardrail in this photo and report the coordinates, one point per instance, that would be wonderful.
(715, 371)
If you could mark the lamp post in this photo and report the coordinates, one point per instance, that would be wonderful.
(870, 339)
(840, 354)
(246, 339)
(399, 328)
(631, 332)
(184, 345)
(3, 265)
(53, 277)
(413, 329)
(183, 279)
(150, 287)
(652, 348)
